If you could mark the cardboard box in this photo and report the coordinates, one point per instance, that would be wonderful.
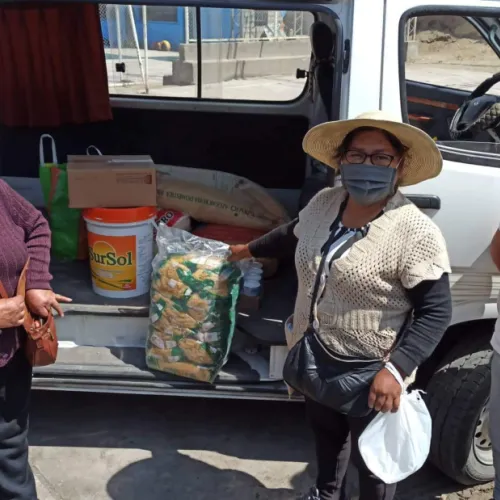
(111, 181)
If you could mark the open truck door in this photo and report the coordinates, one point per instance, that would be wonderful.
(439, 57)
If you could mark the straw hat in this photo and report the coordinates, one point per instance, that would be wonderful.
(422, 160)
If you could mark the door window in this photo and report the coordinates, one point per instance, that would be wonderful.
(448, 51)
(446, 57)
(248, 55)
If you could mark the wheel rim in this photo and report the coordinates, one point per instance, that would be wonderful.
(482, 441)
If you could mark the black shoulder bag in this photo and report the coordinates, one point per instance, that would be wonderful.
(339, 382)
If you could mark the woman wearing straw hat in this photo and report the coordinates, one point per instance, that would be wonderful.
(372, 285)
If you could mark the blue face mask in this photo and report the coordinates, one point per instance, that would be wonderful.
(368, 184)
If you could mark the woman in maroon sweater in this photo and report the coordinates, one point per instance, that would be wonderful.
(24, 233)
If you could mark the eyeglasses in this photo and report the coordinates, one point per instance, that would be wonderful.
(377, 159)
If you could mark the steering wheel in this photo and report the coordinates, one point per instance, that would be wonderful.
(478, 113)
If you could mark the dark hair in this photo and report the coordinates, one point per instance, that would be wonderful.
(346, 143)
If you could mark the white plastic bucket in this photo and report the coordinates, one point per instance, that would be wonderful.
(121, 250)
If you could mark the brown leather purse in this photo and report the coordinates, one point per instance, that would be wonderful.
(41, 338)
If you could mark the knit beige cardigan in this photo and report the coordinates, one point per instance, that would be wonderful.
(364, 303)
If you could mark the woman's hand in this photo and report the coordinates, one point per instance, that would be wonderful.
(239, 252)
(385, 392)
(12, 312)
(41, 302)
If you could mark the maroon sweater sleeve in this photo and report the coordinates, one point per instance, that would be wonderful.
(36, 235)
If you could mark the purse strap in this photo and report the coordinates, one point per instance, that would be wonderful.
(358, 235)
(324, 254)
(21, 285)
(3, 292)
(34, 331)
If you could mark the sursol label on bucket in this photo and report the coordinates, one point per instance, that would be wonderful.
(113, 262)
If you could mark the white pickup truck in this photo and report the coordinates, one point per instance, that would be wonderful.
(420, 60)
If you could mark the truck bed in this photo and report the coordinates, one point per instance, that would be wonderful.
(73, 280)
(102, 343)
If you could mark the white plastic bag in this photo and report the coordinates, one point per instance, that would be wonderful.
(396, 445)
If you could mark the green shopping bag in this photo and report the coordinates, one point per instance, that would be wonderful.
(69, 234)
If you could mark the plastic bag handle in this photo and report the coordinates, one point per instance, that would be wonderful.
(42, 153)
(93, 148)
(396, 375)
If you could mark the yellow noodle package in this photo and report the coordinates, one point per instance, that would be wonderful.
(193, 305)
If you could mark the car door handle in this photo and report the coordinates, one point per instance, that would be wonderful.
(425, 201)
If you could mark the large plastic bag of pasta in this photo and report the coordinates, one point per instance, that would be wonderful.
(193, 305)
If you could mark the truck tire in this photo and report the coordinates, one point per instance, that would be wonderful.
(458, 397)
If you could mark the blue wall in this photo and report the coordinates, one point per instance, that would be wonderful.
(159, 31)
(215, 24)
(109, 31)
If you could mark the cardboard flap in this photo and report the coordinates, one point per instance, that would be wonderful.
(145, 160)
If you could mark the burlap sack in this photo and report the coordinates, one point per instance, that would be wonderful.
(218, 197)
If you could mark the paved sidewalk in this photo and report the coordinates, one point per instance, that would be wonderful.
(100, 447)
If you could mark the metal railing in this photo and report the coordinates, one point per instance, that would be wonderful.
(255, 25)
(411, 30)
